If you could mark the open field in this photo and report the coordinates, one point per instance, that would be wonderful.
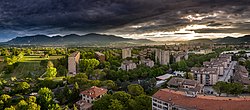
(29, 66)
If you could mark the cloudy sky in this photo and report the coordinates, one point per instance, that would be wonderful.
(152, 19)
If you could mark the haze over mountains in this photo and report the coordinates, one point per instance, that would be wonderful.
(101, 39)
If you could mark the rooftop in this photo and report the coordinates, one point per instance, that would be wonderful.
(74, 54)
(94, 92)
(99, 53)
(203, 102)
(164, 77)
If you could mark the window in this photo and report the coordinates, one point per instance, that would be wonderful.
(154, 104)
(165, 108)
(175, 108)
(159, 102)
(154, 108)
(159, 106)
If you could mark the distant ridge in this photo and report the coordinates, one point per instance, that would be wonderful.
(74, 39)
(225, 40)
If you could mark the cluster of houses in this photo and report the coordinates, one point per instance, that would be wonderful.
(210, 72)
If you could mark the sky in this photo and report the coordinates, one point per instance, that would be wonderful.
(159, 20)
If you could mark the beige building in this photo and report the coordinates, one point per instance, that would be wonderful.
(128, 65)
(126, 53)
(162, 57)
(73, 62)
(205, 76)
(89, 96)
(147, 62)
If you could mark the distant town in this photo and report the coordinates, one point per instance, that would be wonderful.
(201, 76)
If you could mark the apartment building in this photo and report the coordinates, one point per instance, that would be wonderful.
(126, 53)
(128, 65)
(147, 62)
(214, 64)
(162, 57)
(73, 62)
(180, 56)
(205, 76)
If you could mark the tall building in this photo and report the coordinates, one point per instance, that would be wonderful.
(126, 52)
(162, 57)
(73, 62)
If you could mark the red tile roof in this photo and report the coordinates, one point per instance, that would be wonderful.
(94, 92)
(202, 102)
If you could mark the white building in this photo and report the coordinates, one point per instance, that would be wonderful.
(128, 65)
(163, 57)
(126, 53)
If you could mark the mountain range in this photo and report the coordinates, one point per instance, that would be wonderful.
(74, 39)
(225, 40)
(94, 39)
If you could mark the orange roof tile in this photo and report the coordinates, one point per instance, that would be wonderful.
(202, 102)
(94, 92)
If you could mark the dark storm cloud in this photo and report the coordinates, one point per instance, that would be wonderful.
(60, 16)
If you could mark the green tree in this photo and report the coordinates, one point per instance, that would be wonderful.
(236, 88)
(89, 64)
(10, 108)
(51, 72)
(143, 102)
(109, 84)
(103, 103)
(115, 105)
(219, 87)
(135, 90)
(23, 86)
(22, 105)
(45, 98)
(122, 96)
(5, 99)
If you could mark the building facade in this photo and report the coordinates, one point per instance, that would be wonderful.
(73, 62)
(147, 62)
(126, 53)
(128, 65)
(205, 76)
(162, 57)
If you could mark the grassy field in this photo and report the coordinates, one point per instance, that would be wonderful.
(30, 65)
